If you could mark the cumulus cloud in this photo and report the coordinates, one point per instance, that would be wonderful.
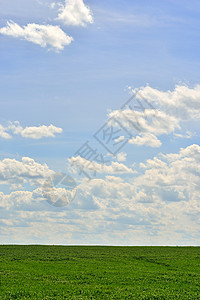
(56, 196)
(15, 199)
(152, 113)
(146, 139)
(92, 166)
(49, 36)
(75, 13)
(166, 197)
(154, 122)
(162, 202)
(167, 179)
(35, 132)
(17, 173)
(110, 192)
(174, 176)
(40, 132)
(182, 103)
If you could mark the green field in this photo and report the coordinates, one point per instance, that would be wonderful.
(82, 272)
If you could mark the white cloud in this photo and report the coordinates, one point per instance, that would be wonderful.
(75, 13)
(89, 166)
(40, 132)
(16, 199)
(154, 122)
(17, 173)
(162, 203)
(182, 103)
(174, 176)
(15, 127)
(53, 5)
(56, 196)
(44, 35)
(146, 139)
(167, 179)
(188, 135)
(172, 109)
(119, 139)
(35, 132)
(121, 156)
(111, 192)
(3, 133)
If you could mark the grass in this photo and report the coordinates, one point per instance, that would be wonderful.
(82, 272)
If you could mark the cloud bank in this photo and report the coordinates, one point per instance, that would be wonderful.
(159, 206)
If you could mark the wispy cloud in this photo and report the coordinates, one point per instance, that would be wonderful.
(188, 135)
(139, 20)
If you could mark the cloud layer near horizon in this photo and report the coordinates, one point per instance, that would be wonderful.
(164, 200)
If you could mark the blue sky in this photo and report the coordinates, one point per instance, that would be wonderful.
(66, 68)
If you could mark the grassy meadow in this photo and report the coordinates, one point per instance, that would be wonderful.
(97, 272)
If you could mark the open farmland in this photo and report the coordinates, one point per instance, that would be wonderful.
(96, 272)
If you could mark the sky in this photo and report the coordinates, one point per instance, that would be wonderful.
(99, 119)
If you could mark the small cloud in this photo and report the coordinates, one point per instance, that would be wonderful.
(75, 13)
(35, 132)
(44, 35)
(52, 5)
(188, 135)
(3, 133)
(39, 2)
(121, 156)
(119, 139)
(146, 140)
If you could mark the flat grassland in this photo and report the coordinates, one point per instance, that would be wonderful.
(96, 272)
